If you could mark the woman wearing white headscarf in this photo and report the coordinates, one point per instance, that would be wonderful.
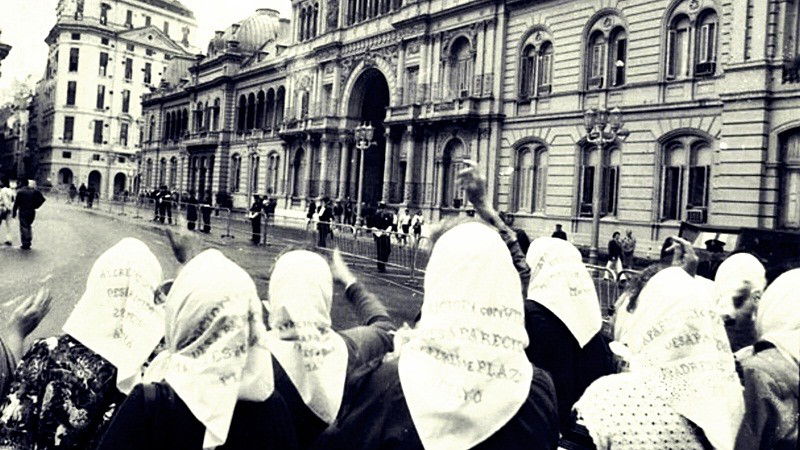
(563, 321)
(212, 387)
(681, 390)
(315, 366)
(64, 385)
(461, 378)
(738, 284)
(771, 370)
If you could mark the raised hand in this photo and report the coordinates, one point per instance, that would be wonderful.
(683, 255)
(473, 183)
(30, 312)
(341, 273)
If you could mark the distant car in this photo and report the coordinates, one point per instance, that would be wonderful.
(778, 250)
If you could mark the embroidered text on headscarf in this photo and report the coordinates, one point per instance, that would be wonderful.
(463, 370)
(117, 316)
(302, 340)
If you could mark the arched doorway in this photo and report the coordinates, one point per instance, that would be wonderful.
(65, 177)
(368, 101)
(120, 183)
(94, 180)
(297, 173)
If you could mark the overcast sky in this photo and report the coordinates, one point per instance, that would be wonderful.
(25, 23)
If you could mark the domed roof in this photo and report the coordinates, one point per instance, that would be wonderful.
(251, 33)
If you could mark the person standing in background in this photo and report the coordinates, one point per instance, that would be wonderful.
(614, 263)
(6, 205)
(559, 233)
(72, 192)
(90, 195)
(82, 192)
(191, 211)
(205, 212)
(381, 224)
(27, 202)
(416, 225)
(325, 215)
(628, 248)
(255, 219)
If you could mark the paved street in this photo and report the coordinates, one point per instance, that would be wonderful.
(68, 238)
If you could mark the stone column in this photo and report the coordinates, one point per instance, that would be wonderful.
(400, 76)
(344, 158)
(409, 175)
(323, 166)
(309, 160)
(387, 165)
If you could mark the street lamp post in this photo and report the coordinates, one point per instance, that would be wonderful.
(364, 134)
(602, 128)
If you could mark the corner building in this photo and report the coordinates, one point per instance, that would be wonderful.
(709, 90)
(103, 56)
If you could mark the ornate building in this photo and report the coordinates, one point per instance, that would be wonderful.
(712, 113)
(103, 56)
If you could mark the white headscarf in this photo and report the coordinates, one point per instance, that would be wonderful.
(463, 371)
(679, 349)
(561, 283)
(778, 316)
(301, 338)
(736, 272)
(117, 317)
(216, 352)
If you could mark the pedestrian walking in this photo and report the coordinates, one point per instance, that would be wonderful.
(311, 213)
(82, 192)
(270, 204)
(205, 212)
(255, 219)
(381, 224)
(191, 211)
(72, 192)
(6, 207)
(28, 200)
(164, 204)
(614, 264)
(325, 215)
(559, 233)
(404, 220)
(349, 217)
(91, 193)
(628, 248)
(416, 226)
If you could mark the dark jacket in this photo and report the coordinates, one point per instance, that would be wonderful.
(553, 348)
(28, 201)
(614, 250)
(154, 417)
(378, 418)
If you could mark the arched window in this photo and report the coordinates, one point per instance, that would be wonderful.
(545, 68)
(255, 161)
(251, 111)
(297, 173)
(162, 171)
(167, 125)
(260, 110)
(148, 173)
(448, 168)
(270, 113)
(273, 165)
(173, 172)
(242, 120)
(692, 44)
(304, 104)
(236, 172)
(215, 120)
(460, 65)
(524, 180)
(607, 165)
(280, 100)
(606, 53)
(199, 117)
(686, 179)
(790, 180)
(184, 123)
(527, 67)
(301, 25)
(151, 131)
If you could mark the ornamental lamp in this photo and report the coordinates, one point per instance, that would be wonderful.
(589, 118)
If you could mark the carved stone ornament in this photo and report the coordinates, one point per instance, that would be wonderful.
(413, 48)
(538, 37)
(694, 4)
(607, 22)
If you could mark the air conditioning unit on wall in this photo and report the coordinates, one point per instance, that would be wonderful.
(697, 215)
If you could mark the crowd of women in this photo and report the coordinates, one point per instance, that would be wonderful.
(508, 352)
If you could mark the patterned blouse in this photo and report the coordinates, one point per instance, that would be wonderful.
(61, 397)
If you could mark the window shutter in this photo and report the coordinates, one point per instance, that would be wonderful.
(620, 63)
(671, 53)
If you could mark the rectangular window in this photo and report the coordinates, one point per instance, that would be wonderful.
(707, 47)
(412, 73)
(130, 47)
(129, 18)
(620, 52)
(610, 190)
(72, 86)
(126, 100)
(103, 64)
(121, 160)
(148, 73)
(104, 41)
(95, 157)
(69, 128)
(128, 69)
(66, 155)
(698, 187)
(166, 28)
(598, 54)
(678, 49)
(76, 36)
(147, 21)
(74, 54)
(545, 73)
(527, 76)
(98, 131)
(101, 97)
(587, 191)
(673, 185)
(123, 134)
(149, 52)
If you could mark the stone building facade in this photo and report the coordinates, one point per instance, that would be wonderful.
(709, 90)
(103, 56)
